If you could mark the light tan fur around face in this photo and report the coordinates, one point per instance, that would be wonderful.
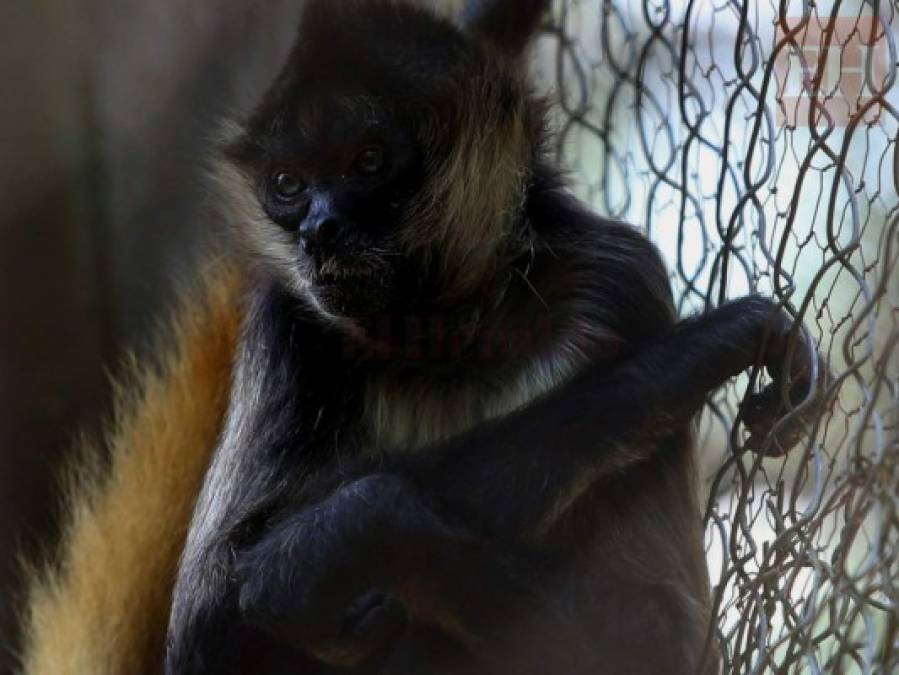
(261, 240)
(105, 610)
(465, 213)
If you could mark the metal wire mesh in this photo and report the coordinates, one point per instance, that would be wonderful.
(757, 142)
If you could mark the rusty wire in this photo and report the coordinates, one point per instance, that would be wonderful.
(757, 143)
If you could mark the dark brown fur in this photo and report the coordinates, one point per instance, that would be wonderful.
(459, 431)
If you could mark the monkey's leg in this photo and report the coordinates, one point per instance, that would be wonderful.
(340, 579)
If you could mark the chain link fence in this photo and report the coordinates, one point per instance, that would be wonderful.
(757, 143)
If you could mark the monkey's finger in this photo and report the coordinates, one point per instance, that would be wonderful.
(762, 415)
(777, 444)
(760, 411)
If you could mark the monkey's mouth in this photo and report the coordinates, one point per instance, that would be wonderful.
(352, 287)
(341, 272)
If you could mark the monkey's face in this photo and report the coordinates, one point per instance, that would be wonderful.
(332, 187)
(384, 170)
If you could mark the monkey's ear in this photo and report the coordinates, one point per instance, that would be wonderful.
(509, 25)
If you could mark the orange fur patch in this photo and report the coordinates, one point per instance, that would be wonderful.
(106, 608)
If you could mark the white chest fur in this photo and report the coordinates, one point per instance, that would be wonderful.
(403, 414)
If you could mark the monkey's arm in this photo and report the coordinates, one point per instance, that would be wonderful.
(507, 475)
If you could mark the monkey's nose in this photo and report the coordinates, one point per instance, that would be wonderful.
(320, 235)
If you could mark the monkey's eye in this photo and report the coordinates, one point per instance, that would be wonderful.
(370, 161)
(287, 186)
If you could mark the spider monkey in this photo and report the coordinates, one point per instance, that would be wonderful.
(459, 437)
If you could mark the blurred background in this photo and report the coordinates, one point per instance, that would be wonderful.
(105, 110)
(690, 118)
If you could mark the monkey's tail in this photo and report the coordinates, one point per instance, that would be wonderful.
(101, 608)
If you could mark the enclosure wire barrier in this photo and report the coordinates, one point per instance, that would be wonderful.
(757, 144)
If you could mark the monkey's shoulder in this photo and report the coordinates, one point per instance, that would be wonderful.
(604, 277)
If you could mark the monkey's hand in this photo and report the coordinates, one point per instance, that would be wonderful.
(778, 416)
(335, 578)
(313, 580)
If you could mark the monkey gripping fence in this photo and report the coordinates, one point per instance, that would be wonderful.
(757, 142)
